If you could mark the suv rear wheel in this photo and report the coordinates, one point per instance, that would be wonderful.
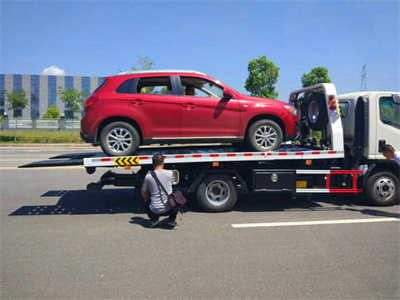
(119, 139)
(265, 135)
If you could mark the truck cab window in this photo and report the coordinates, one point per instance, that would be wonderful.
(344, 108)
(389, 111)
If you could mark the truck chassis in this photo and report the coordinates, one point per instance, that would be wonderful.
(214, 174)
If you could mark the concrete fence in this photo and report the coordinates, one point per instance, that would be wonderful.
(40, 124)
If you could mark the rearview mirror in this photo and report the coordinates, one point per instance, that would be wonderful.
(396, 98)
(227, 94)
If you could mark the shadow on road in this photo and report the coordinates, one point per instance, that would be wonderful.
(120, 201)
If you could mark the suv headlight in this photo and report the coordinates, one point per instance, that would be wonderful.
(291, 109)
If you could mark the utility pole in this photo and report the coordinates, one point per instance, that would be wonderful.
(363, 86)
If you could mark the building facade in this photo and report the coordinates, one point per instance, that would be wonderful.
(42, 92)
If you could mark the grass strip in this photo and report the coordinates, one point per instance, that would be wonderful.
(39, 137)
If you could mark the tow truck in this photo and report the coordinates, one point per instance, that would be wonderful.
(337, 151)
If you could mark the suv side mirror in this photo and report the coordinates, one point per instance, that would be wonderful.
(227, 94)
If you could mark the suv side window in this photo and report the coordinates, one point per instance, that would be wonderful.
(389, 111)
(199, 87)
(127, 87)
(154, 86)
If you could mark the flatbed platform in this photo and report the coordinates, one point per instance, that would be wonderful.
(174, 155)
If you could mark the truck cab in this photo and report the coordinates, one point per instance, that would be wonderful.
(370, 120)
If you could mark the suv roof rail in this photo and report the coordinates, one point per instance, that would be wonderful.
(160, 71)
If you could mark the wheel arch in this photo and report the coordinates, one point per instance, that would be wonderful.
(109, 120)
(233, 174)
(370, 184)
(274, 118)
(382, 166)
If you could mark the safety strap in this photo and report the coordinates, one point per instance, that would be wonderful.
(159, 182)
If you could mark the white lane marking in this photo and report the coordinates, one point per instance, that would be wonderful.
(22, 159)
(42, 168)
(307, 223)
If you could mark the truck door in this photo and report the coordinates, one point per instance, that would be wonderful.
(388, 121)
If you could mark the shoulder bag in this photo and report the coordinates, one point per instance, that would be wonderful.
(175, 198)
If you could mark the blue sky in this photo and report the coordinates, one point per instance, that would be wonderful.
(219, 38)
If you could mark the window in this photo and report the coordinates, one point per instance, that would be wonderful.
(86, 85)
(202, 88)
(344, 108)
(69, 83)
(35, 95)
(2, 94)
(17, 87)
(389, 111)
(154, 86)
(52, 91)
(128, 87)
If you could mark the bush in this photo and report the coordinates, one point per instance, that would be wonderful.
(52, 113)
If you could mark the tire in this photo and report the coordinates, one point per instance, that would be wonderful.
(119, 139)
(382, 189)
(265, 135)
(217, 193)
(317, 115)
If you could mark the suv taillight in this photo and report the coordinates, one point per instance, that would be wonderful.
(90, 101)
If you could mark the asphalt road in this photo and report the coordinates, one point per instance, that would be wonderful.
(60, 241)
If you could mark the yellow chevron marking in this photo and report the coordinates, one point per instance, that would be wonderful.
(126, 161)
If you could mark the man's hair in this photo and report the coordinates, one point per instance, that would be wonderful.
(387, 148)
(158, 160)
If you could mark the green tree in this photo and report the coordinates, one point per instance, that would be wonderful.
(17, 101)
(317, 75)
(263, 75)
(145, 63)
(52, 113)
(72, 98)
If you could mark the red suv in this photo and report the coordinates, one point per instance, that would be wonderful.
(173, 106)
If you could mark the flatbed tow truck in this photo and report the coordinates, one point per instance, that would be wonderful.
(334, 164)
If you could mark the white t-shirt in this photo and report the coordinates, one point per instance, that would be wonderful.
(158, 199)
(397, 158)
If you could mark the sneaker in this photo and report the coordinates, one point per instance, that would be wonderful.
(172, 223)
(155, 222)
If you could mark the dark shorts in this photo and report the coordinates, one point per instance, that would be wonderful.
(170, 213)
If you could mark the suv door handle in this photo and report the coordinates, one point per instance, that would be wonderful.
(189, 106)
(137, 102)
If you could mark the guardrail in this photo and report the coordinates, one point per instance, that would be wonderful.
(40, 124)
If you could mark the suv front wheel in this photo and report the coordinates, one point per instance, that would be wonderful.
(265, 135)
(119, 139)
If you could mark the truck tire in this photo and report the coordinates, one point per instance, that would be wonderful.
(265, 135)
(317, 115)
(119, 139)
(382, 189)
(217, 193)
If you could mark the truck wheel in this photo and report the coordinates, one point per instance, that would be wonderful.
(119, 139)
(217, 193)
(265, 135)
(382, 189)
(317, 115)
